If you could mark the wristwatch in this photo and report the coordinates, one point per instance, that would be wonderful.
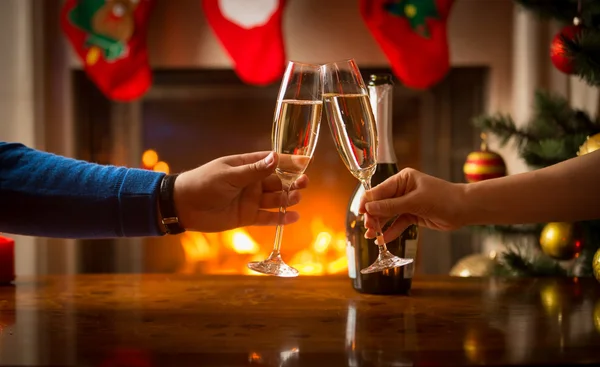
(166, 204)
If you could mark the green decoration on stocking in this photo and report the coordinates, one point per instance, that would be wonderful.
(416, 12)
(414, 37)
(107, 26)
(109, 36)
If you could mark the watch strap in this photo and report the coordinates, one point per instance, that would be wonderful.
(166, 203)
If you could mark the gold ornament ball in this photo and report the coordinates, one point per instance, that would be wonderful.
(596, 265)
(558, 295)
(559, 241)
(597, 316)
(476, 265)
(591, 144)
(551, 298)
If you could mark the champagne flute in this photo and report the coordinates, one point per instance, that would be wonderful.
(294, 137)
(354, 132)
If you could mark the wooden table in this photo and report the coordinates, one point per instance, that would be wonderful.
(177, 320)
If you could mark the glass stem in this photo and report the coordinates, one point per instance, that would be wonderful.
(378, 231)
(282, 209)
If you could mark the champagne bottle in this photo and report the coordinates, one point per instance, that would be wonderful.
(360, 251)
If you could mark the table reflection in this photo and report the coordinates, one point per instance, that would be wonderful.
(386, 351)
(306, 323)
(510, 323)
(556, 315)
(280, 359)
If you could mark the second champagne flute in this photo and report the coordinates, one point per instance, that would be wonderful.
(294, 137)
(354, 132)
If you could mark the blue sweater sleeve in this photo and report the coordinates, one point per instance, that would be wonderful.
(42, 194)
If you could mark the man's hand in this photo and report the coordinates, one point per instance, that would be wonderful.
(233, 191)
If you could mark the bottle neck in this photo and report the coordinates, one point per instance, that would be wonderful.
(381, 103)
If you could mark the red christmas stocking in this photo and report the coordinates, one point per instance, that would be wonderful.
(110, 38)
(250, 31)
(413, 36)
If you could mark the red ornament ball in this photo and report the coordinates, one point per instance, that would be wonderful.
(484, 165)
(558, 50)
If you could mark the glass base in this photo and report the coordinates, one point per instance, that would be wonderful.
(386, 260)
(274, 266)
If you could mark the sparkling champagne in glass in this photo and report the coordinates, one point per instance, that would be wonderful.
(354, 132)
(294, 137)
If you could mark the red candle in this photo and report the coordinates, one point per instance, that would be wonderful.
(7, 260)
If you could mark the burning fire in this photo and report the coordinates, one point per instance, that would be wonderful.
(228, 252)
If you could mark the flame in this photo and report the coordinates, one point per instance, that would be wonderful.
(230, 251)
(322, 242)
(196, 246)
(241, 242)
(338, 266)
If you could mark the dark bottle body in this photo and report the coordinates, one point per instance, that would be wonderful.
(363, 252)
(360, 251)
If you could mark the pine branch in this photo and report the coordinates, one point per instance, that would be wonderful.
(502, 126)
(591, 243)
(585, 51)
(591, 14)
(514, 263)
(547, 152)
(562, 10)
(553, 116)
(585, 124)
(554, 133)
(523, 230)
(565, 10)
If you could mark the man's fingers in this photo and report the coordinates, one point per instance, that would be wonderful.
(237, 160)
(301, 183)
(266, 218)
(257, 171)
(273, 200)
(273, 183)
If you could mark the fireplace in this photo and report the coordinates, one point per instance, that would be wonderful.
(190, 117)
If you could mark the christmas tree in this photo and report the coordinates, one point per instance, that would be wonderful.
(555, 132)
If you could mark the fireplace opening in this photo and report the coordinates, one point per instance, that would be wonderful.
(190, 117)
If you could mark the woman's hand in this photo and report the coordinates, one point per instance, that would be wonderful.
(415, 198)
